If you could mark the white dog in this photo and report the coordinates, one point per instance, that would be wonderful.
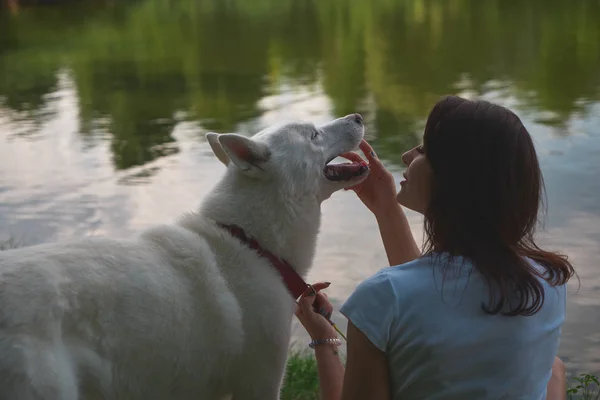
(184, 311)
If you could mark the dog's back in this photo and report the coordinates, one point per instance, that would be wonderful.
(114, 318)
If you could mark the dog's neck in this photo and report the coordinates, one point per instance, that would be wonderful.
(284, 224)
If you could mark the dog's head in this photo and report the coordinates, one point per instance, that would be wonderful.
(296, 156)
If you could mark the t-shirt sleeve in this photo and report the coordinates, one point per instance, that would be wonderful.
(372, 308)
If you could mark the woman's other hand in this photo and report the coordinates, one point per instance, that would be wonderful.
(314, 311)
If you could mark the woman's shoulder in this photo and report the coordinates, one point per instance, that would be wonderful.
(430, 264)
(439, 272)
(429, 274)
(377, 302)
(386, 279)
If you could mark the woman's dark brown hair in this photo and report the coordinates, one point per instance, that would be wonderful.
(486, 196)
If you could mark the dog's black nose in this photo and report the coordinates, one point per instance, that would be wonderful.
(358, 118)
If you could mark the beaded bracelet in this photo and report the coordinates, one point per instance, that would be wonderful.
(333, 341)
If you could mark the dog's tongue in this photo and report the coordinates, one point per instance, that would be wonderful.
(347, 168)
(345, 171)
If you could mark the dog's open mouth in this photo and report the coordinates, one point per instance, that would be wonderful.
(345, 171)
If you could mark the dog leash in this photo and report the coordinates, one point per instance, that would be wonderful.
(294, 282)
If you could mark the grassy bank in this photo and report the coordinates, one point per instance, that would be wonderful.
(301, 382)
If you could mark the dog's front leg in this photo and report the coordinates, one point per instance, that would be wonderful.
(264, 368)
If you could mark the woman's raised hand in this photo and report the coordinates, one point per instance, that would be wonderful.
(378, 190)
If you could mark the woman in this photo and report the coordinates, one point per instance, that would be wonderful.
(478, 314)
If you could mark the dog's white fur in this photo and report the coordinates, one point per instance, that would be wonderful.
(183, 311)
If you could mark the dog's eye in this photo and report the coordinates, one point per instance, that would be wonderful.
(314, 135)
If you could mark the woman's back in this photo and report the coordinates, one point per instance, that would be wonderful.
(441, 344)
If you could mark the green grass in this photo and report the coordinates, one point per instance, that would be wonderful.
(584, 386)
(301, 381)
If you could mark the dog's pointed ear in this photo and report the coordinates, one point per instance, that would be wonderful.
(213, 140)
(247, 154)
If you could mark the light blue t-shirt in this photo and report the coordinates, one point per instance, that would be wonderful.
(439, 342)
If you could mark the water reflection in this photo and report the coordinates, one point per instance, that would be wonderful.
(103, 108)
(137, 65)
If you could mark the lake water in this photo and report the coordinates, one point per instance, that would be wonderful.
(104, 106)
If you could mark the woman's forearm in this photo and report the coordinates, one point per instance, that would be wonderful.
(331, 372)
(398, 240)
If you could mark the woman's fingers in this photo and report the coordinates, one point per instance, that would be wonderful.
(352, 157)
(314, 301)
(304, 307)
(308, 298)
(367, 150)
(370, 154)
(320, 285)
(322, 305)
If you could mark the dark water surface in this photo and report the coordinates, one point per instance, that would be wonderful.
(104, 106)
